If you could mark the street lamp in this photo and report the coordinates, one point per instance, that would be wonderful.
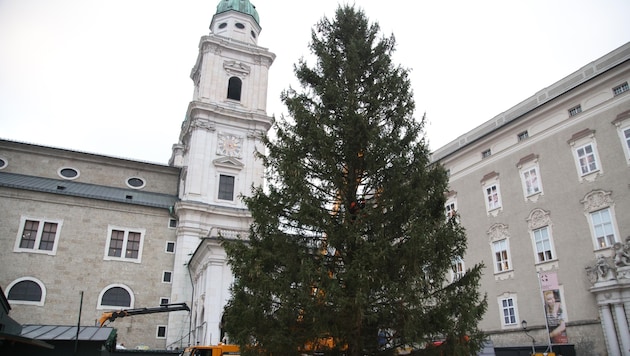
(524, 326)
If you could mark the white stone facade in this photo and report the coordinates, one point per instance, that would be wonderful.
(219, 140)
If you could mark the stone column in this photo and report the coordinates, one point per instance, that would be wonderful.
(609, 330)
(214, 296)
(622, 326)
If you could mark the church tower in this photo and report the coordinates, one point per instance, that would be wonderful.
(221, 132)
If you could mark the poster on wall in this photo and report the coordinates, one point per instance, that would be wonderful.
(554, 310)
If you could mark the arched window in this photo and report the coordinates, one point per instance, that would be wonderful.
(116, 296)
(26, 291)
(234, 88)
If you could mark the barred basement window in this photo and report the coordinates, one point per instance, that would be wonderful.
(621, 88)
(486, 153)
(575, 110)
(523, 135)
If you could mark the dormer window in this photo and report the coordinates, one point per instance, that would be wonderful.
(234, 88)
(621, 88)
(575, 110)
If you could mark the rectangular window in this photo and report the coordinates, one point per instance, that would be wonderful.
(486, 153)
(493, 197)
(543, 244)
(172, 223)
(170, 246)
(508, 309)
(38, 236)
(621, 89)
(458, 268)
(523, 135)
(29, 234)
(226, 187)
(501, 258)
(603, 228)
(530, 180)
(586, 158)
(450, 209)
(164, 301)
(161, 332)
(124, 244)
(133, 245)
(167, 276)
(626, 135)
(575, 110)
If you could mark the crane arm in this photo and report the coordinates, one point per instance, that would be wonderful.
(164, 308)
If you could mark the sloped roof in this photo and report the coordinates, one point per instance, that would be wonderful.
(85, 190)
(243, 6)
(570, 82)
(66, 333)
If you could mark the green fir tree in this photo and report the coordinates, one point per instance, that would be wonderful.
(351, 250)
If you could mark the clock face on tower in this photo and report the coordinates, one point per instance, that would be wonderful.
(229, 145)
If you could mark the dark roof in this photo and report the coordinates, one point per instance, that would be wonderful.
(85, 190)
(25, 340)
(66, 333)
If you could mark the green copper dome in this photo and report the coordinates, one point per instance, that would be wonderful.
(243, 6)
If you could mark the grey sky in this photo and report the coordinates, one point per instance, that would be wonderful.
(112, 77)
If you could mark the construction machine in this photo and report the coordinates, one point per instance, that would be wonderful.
(212, 350)
(164, 308)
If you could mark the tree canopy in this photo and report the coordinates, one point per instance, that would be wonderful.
(350, 249)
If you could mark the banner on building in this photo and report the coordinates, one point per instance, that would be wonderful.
(554, 310)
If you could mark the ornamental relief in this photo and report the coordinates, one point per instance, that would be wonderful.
(537, 219)
(203, 124)
(210, 47)
(234, 68)
(596, 200)
(263, 61)
(255, 134)
(498, 231)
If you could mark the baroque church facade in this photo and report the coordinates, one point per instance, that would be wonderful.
(541, 189)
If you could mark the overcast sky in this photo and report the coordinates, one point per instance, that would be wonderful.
(113, 76)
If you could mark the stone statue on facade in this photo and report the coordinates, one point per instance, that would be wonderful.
(600, 271)
(616, 266)
(622, 253)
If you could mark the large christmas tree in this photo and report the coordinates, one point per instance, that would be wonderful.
(351, 249)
